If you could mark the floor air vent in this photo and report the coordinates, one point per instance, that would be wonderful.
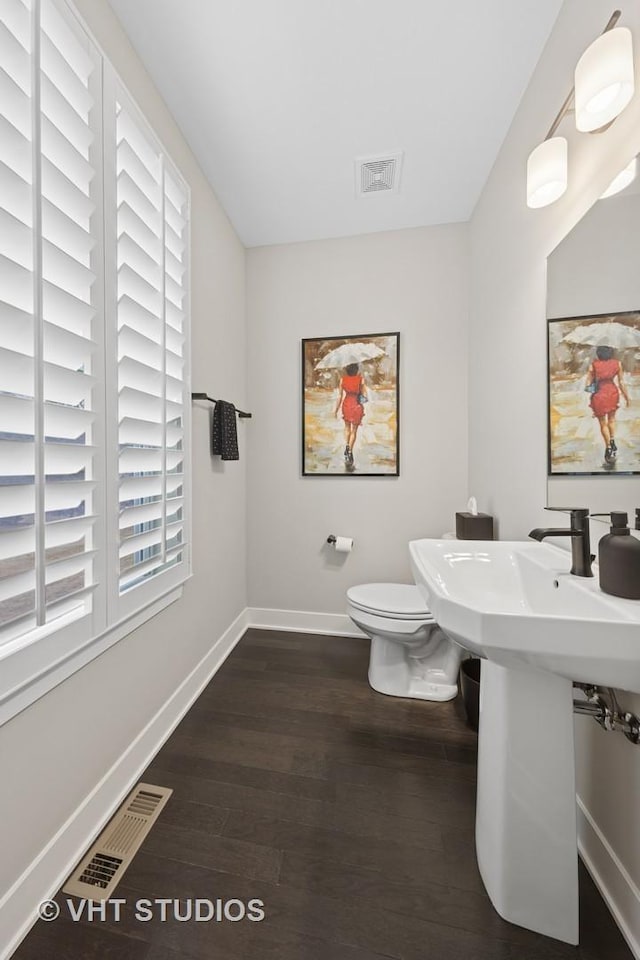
(100, 871)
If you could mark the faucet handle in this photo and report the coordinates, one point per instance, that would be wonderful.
(576, 513)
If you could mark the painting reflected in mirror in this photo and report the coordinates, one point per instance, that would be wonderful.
(593, 341)
(594, 370)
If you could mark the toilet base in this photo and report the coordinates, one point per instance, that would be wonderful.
(394, 672)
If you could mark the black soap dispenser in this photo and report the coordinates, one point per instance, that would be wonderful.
(619, 559)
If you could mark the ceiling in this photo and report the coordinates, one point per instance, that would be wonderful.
(278, 97)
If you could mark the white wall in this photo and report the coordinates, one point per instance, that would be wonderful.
(55, 752)
(413, 281)
(507, 375)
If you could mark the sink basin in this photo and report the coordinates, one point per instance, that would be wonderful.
(537, 628)
(515, 603)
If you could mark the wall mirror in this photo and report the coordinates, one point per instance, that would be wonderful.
(593, 314)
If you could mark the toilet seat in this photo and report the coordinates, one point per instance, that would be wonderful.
(397, 601)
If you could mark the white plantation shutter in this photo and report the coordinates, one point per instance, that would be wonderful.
(49, 230)
(94, 391)
(151, 244)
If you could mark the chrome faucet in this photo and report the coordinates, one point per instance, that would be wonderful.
(581, 555)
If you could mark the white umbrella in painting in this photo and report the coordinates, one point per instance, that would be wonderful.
(350, 353)
(614, 334)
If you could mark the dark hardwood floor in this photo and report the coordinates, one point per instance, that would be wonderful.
(348, 813)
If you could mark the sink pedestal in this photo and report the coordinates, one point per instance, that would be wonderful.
(526, 836)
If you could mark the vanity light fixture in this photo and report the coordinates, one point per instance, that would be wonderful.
(604, 79)
(624, 178)
(603, 87)
(547, 172)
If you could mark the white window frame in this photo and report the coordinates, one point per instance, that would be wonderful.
(35, 662)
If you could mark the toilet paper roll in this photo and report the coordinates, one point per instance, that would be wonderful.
(344, 544)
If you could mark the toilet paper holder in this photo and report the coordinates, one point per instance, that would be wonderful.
(332, 540)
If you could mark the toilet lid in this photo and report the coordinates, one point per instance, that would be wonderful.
(403, 600)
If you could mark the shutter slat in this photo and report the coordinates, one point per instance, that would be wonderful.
(139, 488)
(151, 567)
(17, 505)
(174, 194)
(16, 373)
(61, 74)
(68, 273)
(16, 239)
(174, 267)
(19, 459)
(174, 219)
(130, 193)
(135, 345)
(141, 541)
(16, 328)
(66, 348)
(15, 104)
(17, 284)
(174, 293)
(134, 315)
(133, 373)
(129, 222)
(70, 387)
(18, 21)
(16, 549)
(66, 310)
(67, 424)
(63, 116)
(17, 416)
(174, 242)
(131, 253)
(138, 405)
(15, 194)
(129, 161)
(64, 155)
(15, 59)
(14, 587)
(144, 432)
(16, 150)
(54, 26)
(132, 285)
(140, 460)
(127, 131)
(133, 516)
(65, 233)
(65, 194)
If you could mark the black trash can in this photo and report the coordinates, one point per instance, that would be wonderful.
(470, 685)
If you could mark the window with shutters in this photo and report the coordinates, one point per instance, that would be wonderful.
(93, 348)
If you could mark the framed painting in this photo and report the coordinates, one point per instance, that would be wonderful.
(594, 385)
(351, 406)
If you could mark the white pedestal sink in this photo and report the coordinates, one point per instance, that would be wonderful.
(538, 629)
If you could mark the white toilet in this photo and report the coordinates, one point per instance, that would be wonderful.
(410, 655)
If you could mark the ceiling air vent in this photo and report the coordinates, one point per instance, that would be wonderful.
(99, 872)
(378, 174)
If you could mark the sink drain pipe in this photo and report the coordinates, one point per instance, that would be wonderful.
(606, 710)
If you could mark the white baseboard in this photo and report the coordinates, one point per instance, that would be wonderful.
(46, 873)
(301, 621)
(612, 879)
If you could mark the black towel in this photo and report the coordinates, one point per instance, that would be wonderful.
(224, 438)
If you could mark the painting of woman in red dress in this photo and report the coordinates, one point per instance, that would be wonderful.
(350, 405)
(352, 395)
(605, 395)
(594, 394)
